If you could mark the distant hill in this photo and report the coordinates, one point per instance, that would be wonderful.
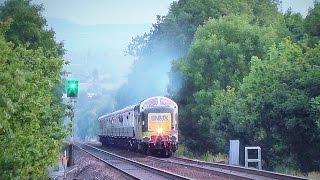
(97, 49)
(106, 35)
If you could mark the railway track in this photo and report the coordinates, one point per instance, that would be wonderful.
(229, 171)
(195, 169)
(129, 168)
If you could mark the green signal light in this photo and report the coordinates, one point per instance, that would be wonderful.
(73, 86)
(72, 89)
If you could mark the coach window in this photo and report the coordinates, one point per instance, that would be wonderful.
(121, 119)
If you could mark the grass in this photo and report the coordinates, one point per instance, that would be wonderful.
(222, 158)
(208, 157)
(286, 170)
(313, 175)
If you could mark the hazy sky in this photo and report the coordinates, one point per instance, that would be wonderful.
(105, 11)
(93, 12)
(301, 6)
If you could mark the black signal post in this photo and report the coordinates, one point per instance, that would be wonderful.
(72, 93)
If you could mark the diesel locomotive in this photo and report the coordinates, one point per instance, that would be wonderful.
(149, 127)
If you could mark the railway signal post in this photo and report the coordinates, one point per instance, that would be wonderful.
(72, 93)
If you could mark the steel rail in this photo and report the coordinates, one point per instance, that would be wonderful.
(242, 172)
(133, 169)
(214, 171)
(123, 173)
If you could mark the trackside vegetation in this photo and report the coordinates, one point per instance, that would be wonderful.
(242, 70)
(31, 109)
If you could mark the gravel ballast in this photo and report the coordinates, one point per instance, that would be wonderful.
(88, 167)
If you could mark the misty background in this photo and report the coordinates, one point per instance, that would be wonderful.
(96, 35)
(98, 61)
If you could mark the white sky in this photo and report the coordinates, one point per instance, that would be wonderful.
(301, 6)
(94, 12)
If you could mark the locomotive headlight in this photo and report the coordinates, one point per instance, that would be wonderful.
(160, 130)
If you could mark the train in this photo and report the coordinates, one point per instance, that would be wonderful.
(148, 127)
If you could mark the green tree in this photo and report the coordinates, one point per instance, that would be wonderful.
(95, 106)
(209, 61)
(171, 37)
(312, 23)
(175, 31)
(29, 27)
(219, 58)
(25, 25)
(279, 100)
(295, 24)
(31, 110)
(86, 125)
(30, 130)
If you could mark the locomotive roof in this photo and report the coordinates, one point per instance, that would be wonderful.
(158, 101)
(149, 102)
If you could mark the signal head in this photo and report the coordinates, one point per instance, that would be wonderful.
(72, 89)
